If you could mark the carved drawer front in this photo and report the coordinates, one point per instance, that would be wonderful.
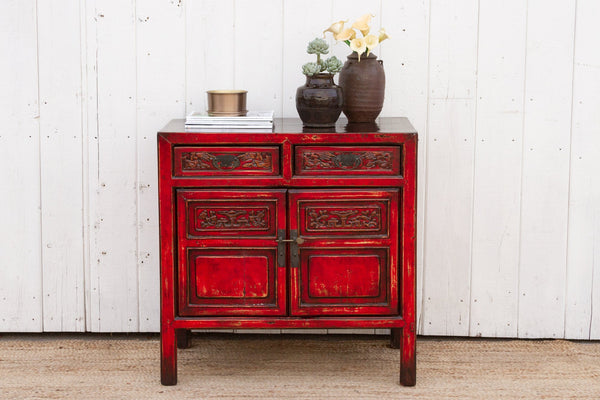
(344, 213)
(226, 213)
(347, 160)
(231, 281)
(230, 160)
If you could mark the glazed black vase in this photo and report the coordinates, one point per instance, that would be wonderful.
(319, 101)
(363, 84)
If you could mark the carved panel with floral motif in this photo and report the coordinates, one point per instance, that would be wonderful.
(204, 160)
(345, 160)
(343, 218)
(255, 218)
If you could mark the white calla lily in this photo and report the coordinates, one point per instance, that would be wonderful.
(346, 34)
(382, 35)
(335, 28)
(371, 41)
(362, 24)
(359, 46)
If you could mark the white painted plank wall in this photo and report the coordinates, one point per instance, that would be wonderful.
(61, 152)
(449, 168)
(20, 216)
(497, 174)
(545, 168)
(505, 97)
(582, 311)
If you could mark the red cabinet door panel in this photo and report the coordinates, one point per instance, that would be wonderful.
(228, 252)
(348, 255)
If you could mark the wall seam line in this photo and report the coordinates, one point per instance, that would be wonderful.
(522, 168)
(570, 170)
(473, 170)
(426, 172)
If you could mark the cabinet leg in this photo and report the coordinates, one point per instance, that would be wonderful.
(184, 338)
(396, 335)
(168, 356)
(408, 361)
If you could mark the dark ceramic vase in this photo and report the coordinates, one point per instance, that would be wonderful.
(319, 101)
(363, 84)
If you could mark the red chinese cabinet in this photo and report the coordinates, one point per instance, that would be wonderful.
(288, 229)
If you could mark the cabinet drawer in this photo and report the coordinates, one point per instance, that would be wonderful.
(339, 213)
(347, 160)
(223, 161)
(227, 213)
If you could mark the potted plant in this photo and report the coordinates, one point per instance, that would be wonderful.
(362, 78)
(319, 101)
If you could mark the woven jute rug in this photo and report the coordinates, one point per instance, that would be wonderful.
(225, 366)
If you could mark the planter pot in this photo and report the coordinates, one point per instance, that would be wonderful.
(319, 101)
(363, 84)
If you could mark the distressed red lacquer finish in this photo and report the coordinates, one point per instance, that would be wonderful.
(289, 229)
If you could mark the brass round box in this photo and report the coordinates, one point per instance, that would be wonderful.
(227, 103)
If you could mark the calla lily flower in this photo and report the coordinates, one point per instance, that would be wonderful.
(362, 24)
(335, 28)
(346, 34)
(359, 46)
(371, 41)
(382, 35)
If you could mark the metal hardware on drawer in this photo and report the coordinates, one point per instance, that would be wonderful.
(294, 241)
(226, 161)
(347, 160)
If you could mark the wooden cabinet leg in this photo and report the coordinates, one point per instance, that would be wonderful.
(184, 338)
(408, 360)
(395, 337)
(168, 356)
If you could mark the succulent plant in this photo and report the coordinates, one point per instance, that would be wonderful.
(333, 65)
(317, 46)
(311, 68)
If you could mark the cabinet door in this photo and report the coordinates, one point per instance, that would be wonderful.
(347, 252)
(227, 250)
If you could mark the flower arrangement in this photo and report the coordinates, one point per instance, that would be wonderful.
(332, 65)
(360, 45)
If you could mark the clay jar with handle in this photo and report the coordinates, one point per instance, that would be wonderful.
(363, 84)
(319, 101)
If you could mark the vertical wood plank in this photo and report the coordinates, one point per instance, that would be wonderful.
(447, 253)
(60, 90)
(160, 58)
(301, 25)
(497, 179)
(406, 62)
(545, 184)
(209, 50)
(113, 205)
(20, 258)
(259, 53)
(582, 314)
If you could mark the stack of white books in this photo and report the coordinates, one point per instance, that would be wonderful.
(255, 121)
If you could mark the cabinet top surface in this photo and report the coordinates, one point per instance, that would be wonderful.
(294, 125)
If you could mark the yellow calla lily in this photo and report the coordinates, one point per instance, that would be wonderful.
(382, 35)
(362, 24)
(359, 46)
(335, 28)
(346, 34)
(371, 41)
